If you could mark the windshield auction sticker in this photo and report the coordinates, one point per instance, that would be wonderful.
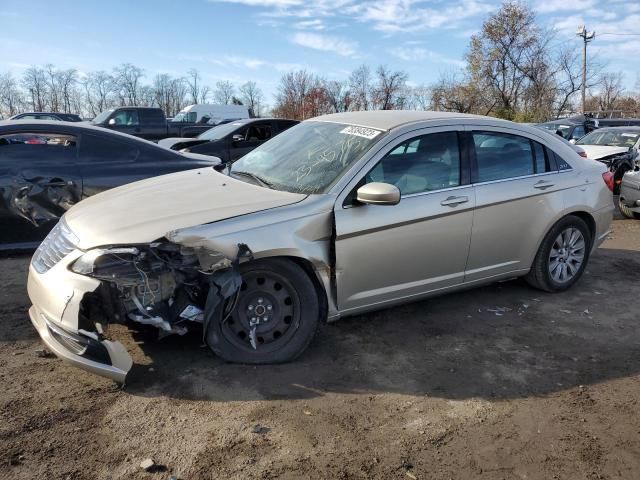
(364, 132)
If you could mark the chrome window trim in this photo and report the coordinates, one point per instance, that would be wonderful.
(429, 192)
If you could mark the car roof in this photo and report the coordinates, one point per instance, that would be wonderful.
(389, 119)
(61, 127)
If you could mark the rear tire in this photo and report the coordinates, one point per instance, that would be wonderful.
(279, 294)
(562, 256)
(626, 211)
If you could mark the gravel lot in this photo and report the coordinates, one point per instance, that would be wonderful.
(501, 382)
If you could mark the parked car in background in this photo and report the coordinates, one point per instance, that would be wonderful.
(616, 147)
(574, 128)
(576, 148)
(151, 124)
(48, 166)
(336, 216)
(629, 200)
(210, 114)
(231, 141)
(60, 117)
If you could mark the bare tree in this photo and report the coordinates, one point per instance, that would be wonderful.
(252, 97)
(292, 95)
(388, 93)
(197, 91)
(611, 90)
(11, 98)
(360, 85)
(99, 92)
(35, 83)
(498, 56)
(127, 80)
(224, 92)
(338, 95)
(420, 97)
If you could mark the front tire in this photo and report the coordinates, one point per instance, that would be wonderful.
(280, 296)
(562, 256)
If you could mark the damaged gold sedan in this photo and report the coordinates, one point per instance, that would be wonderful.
(338, 215)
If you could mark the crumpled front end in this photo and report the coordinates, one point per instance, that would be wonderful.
(76, 294)
(57, 295)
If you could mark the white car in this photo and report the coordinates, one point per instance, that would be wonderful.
(616, 147)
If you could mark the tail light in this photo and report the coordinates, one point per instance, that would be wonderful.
(583, 154)
(608, 179)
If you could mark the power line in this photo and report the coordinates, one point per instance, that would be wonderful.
(621, 34)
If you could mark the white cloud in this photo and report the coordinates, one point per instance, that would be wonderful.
(548, 6)
(315, 24)
(326, 43)
(416, 54)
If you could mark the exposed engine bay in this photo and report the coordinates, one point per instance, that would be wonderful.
(162, 284)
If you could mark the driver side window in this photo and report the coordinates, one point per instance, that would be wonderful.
(421, 164)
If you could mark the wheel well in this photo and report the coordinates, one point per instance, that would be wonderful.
(588, 219)
(307, 266)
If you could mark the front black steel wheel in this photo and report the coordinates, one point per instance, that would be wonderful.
(274, 319)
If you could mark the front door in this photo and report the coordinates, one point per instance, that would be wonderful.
(386, 253)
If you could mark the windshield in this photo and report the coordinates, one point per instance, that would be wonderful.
(308, 158)
(185, 117)
(556, 127)
(610, 138)
(102, 116)
(220, 131)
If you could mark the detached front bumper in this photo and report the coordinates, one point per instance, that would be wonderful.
(56, 296)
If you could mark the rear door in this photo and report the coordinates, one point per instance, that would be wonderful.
(518, 191)
(40, 180)
(107, 161)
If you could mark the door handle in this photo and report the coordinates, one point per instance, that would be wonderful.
(543, 185)
(453, 201)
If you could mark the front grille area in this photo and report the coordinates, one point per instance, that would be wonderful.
(58, 244)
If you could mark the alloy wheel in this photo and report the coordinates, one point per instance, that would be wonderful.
(567, 255)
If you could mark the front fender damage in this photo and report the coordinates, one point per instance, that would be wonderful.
(164, 284)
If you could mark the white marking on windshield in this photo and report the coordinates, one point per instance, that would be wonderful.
(364, 132)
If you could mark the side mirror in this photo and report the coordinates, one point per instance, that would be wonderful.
(112, 121)
(237, 138)
(573, 140)
(377, 193)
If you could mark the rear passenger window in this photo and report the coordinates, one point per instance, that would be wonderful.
(40, 146)
(501, 155)
(421, 164)
(96, 148)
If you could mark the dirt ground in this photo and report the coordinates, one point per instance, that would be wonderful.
(502, 382)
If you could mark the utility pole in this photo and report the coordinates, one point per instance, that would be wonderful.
(586, 37)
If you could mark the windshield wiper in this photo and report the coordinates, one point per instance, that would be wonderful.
(254, 177)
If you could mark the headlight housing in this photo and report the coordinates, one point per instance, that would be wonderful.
(86, 264)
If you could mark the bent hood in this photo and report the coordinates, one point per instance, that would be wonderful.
(144, 211)
(600, 151)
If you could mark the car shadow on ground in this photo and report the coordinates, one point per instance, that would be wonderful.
(501, 341)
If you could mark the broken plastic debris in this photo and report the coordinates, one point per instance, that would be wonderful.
(192, 313)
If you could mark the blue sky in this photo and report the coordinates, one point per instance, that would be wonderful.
(240, 40)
